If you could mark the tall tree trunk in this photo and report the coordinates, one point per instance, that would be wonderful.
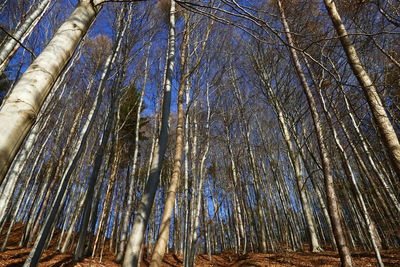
(11, 46)
(333, 206)
(127, 216)
(368, 221)
(141, 219)
(163, 237)
(199, 200)
(20, 109)
(37, 249)
(295, 162)
(385, 127)
(112, 114)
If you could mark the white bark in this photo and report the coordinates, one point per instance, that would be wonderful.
(11, 46)
(368, 221)
(333, 206)
(23, 104)
(101, 149)
(141, 219)
(385, 127)
(75, 157)
(295, 162)
(194, 233)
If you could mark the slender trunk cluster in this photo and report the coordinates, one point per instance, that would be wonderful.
(333, 206)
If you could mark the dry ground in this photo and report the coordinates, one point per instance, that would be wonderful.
(14, 256)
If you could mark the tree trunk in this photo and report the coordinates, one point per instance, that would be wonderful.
(333, 206)
(141, 220)
(37, 249)
(295, 162)
(163, 238)
(11, 46)
(385, 127)
(126, 219)
(20, 109)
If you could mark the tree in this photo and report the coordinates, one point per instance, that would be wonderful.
(20, 109)
(385, 127)
(13, 43)
(134, 246)
(333, 207)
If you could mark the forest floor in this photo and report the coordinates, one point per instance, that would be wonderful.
(14, 256)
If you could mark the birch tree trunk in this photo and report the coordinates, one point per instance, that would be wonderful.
(385, 127)
(333, 206)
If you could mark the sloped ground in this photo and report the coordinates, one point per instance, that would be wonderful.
(14, 256)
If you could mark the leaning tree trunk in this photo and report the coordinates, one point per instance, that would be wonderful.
(75, 157)
(20, 109)
(10, 180)
(102, 147)
(141, 220)
(295, 162)
(385, 127)
(333, 206)
(11, 46)
(368, 221)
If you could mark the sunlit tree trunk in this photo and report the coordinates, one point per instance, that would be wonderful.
(385, 127)
(10, 182)
(163, 237)
(112, 114)
(333, 206)
(8, 50)
(368, 221)
(78, 149)
(199, 200)
(20, 109)
(141, 219)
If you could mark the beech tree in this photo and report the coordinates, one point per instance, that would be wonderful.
(22, 105)
(196, 128)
